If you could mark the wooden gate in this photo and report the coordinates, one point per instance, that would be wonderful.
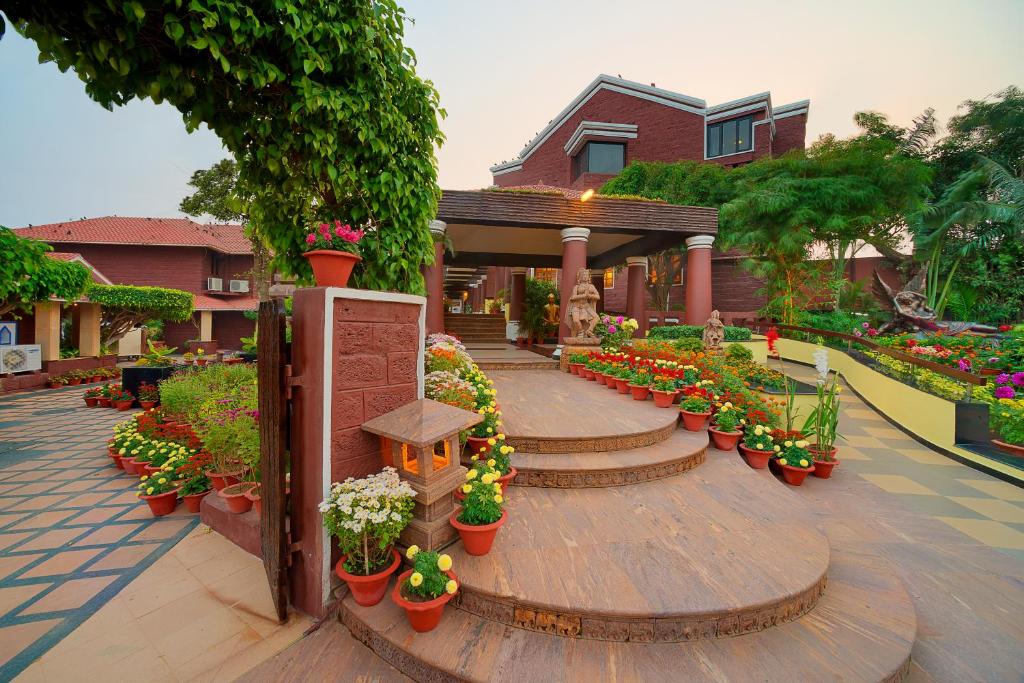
(272, 357)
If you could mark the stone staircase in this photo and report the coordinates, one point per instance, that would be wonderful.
(476, 328)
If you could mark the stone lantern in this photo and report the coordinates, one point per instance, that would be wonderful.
(421, 441)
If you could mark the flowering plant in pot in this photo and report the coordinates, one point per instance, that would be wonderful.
(194, 489)
(333, 250)
(56, 381)
(695, 408)
(481, 515)
(725, 432)
(148, 395)
(823, 422)
(424, 590)
(588, 371)
(499, 458)
(664, 389)
(121, 399)
(758, 446)
(622, 376)
(640, 383)
(486, 429)
(576, 361)
(160, 491)
(795, 460)
(92, 396)
(367, 516)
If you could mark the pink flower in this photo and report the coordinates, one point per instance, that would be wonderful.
(339, 232)
(619, 320)
(611, 329)
(965, 365)
(865, 325)
(993, 359)
(1005, 392)
(858, 333)
(1018, 379)
(872, 332)
(324, 228)
(1002, 378)
(310, 238)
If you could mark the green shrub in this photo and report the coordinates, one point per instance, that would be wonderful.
(738, 352)
(732, 333)
(688, 344)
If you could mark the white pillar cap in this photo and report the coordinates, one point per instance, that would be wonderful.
(518, 271)
(700, 242)
(438, 227)
(637, 261)
(575, 234)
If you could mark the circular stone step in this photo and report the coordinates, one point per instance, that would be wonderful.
(680, 452)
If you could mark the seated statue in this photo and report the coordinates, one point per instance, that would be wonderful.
(581, 314)
(911, 312)
(551, 316)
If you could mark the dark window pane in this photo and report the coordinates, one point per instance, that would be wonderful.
(729, 137)
(714, 140)
(743, 136)
(605, 157)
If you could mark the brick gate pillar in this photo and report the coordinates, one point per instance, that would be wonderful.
(698, 279)
(434, 276)
(574, 257)
(636, 293)
(517, 297)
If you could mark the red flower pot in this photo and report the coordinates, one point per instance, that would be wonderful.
(574, 368)
(129, 465)
(223, 479)
(475, 443)
(103, 402)
(116, 457)
(74, 382)
(95, 378)
(253, 494)
(795, 476)
(162, 503)
(91, 401)
(755, 458)
(724, 441)
(477, 539)
(694, 422)
(423, 616)
(506, 480)
(1010, 448)
(639, 393)
(611, 382)
(368, 590)
(663, 399)
(194, 500)
(773, 465)
(146, 405)
(234, 496)
(55, 385)
(622, 385)
(589, 375)
(149, 470)
(123, 405)
(822, 467)
(331, 268)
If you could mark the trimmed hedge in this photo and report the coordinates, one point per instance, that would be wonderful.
(732, 333)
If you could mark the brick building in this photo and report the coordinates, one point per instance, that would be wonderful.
(211, 261)
(614, 122)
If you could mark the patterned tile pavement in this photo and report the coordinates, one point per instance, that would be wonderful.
(72, 531)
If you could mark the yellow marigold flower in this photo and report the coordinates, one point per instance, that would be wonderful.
(471, 474)
(122, 451)
(497, 487)
(788, 444)
(416, 579)
(491, 442)
(149, 491)
(411, 552)
(782, 461)
(451, 587)
(444, 562)
(466, 488)
(498, 499)
(776, 448)
(162, 480)
(488, 478)
(482, 450)
(804, 463)
(490, 409)
(474, 457)
(481, 411)
(491, 462)
(490, 431)
(759, 430)
(144, 477)
(801, 443)
(500, 437)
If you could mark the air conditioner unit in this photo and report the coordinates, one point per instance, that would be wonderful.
(238, 285)
(20, 358)
(214, 284)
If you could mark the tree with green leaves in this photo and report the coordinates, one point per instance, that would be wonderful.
(126, 307)
(318, 102)
(28, 275)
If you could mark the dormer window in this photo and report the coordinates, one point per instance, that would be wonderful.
(730, 137)
(599, 157)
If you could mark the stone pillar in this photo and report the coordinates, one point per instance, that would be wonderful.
(88, 330)
(636, 293)
(698, 279)
(434, 276)
(474, 295)
(48, 329)
(517, 297)
(205, 325)
(574, 257)
(597, 279)
(482, 294)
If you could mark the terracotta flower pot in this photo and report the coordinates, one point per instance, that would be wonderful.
(755, 458)
(162, 503)
(253, 494)
(55, 385)
(223, 479)
(663, 399)
(589, 375)
(678, 396)
(95, 378)
(116, 457)
(149, 470)
(477, 539)
(724, 441)
(1012, 449)
(129, 465)
(640, 393)
(574, 368)
(694, 422)
(795, 476)
(194, 500)
(822, 467)
(234, 496)
(74, 382)
(475, 443)
(368, 590)
(331, 268)
(773, 465)
(423, 616)
(146, 405)
(622, 385)
(103, 402)
(123, 405)
(91, 401)
(506, 480)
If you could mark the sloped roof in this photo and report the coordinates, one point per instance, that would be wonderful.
(226, 238)
(97, 276)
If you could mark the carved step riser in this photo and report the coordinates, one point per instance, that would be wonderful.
(594, 445)
(602, 479)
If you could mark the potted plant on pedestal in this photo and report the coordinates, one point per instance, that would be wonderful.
(823, 423)
(695, 408)
(366, 516)
(332, 252)
(758, 446)
(664, 389)
(424, 590)
(481, 515)
(160, 491)
(795, 461)
(725, 432)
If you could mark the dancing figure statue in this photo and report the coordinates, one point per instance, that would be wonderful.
(581, 313)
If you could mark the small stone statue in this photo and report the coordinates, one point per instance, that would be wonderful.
(551, 314)
(581, 316)
(911, 312)
(714, 332)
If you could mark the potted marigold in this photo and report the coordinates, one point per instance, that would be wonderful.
(664, 389)
(160, 491)
(588, 371)
(481, 515)
(758, 446)
(795, 461)
(725, 432)
(121, 399)
(499, 458)
(695, 408)
(367, 516)
(640, 384)
(623, 378)
(484, 430)
(822, 424)
(56, 381)
(424, 590)
(332, 252)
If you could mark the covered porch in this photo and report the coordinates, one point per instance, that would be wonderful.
(564, 230)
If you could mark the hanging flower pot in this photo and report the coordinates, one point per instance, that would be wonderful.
(423, 615)
(640, 393)
(506, 480)
(162, 503)
(756, 458)
(795, 476)
(194, 500)
(331, 268)
(477, 539)
(694, 422)
(823, 465)
(663, 399)
(368, 590)
(234, 496)
(724, 441)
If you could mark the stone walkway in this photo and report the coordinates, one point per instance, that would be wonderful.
(72, 531)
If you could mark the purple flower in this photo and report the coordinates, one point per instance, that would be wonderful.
(611, 329)
(965, 365)
(619, 320)
(865, 325)
(1018, 379)
(858, 333)
(1002, 378)
(1005, 392)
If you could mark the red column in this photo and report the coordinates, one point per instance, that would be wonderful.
(597, 279)
(636, 293)
(516, 297)
(574, 257)
(698, 279)
(434, 275)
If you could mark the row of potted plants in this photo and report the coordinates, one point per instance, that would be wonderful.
(76, 377)
(113, 395)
